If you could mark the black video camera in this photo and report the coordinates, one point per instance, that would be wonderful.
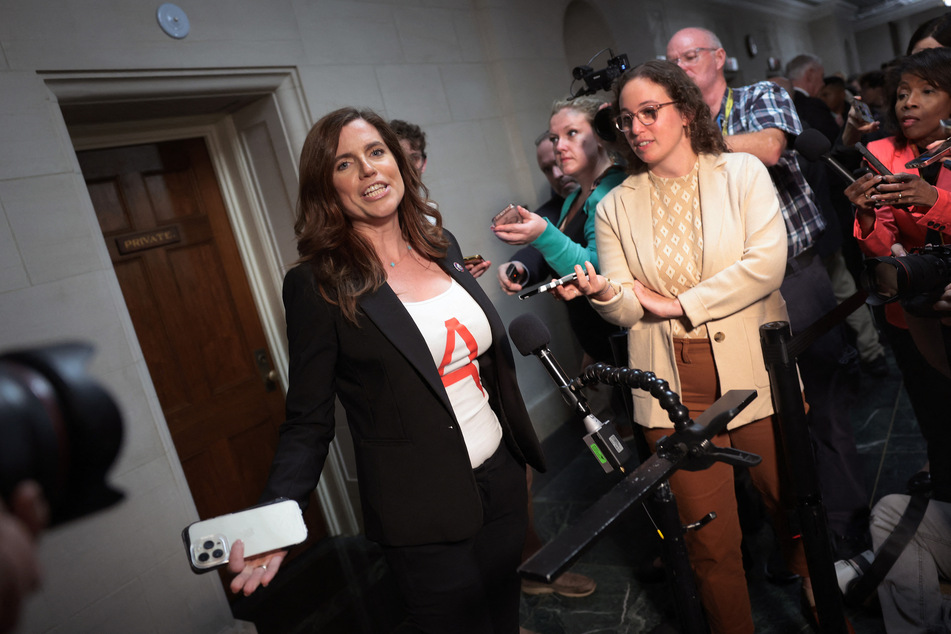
(916, 280)
(59, 428)
(596, 80)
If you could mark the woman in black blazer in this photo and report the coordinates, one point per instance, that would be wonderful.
(382, 314)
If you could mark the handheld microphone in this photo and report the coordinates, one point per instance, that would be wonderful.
(815, 146)
(531, 336)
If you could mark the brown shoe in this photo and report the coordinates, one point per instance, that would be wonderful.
(568, 584)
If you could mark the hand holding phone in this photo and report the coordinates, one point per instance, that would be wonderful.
(472, 260)
(272, 526)
(872, 160)
(507, 216)
(544, 288)
(862, 110)
(929, 156)
(515, 274)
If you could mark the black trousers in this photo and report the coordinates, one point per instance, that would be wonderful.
(470, 587)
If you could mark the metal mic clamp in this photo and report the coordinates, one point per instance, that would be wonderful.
(604, 442)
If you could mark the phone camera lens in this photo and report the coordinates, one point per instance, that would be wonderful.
(208, 544)
(217, 553)
(203, 557)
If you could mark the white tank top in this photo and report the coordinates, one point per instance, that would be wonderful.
(457, 332)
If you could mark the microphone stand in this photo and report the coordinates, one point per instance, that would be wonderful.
(662, 508)
(689, 447)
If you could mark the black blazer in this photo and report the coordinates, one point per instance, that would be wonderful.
(814, 113)
(416, 482)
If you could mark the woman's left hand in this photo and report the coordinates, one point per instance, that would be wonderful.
(253, 572)
(524, 232)
(905, 189)
(654, 302)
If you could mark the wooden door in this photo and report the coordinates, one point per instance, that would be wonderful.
(164, 221)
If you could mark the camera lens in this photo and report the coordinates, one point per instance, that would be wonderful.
(208, 544)
(890, 278)
(203, 557)
(217, 553)
(916, 280)
(881, 278)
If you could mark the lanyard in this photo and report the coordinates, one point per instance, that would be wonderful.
(727, 111)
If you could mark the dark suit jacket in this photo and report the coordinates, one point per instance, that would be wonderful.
(814, 113)
(416, 482)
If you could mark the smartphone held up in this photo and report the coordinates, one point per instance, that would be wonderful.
(507, 216)
(275, 525)
(863, 111)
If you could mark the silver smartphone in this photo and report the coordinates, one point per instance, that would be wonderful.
(271, 526)
(930, 156)
(507, 216)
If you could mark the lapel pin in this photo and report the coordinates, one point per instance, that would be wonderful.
(458, 266)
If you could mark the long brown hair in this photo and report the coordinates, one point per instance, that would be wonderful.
(704, 135)
(345, 264)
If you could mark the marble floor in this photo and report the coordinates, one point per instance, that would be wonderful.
(342, 585)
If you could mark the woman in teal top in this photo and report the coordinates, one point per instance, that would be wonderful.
(579, 154)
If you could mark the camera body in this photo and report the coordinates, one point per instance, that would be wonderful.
(916, 280)
(596, 80)
(57, 427)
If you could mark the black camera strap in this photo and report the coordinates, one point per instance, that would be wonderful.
(889, 551)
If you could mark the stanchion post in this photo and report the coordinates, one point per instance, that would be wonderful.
(800, 465)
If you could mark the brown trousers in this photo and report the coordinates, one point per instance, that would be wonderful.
(715, 549)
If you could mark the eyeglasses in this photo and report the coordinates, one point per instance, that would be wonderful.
(646, 115)
(691, 57)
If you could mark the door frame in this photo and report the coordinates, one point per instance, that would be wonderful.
(242, 190)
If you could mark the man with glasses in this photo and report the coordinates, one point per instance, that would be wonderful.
(760, 119)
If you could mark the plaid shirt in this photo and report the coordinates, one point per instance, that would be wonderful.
(765, 105)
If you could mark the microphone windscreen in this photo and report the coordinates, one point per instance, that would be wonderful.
(528, 333)
(812, 144)
(604, 124)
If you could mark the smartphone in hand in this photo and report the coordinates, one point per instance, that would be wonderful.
(873, 161)
(864, 112)
(507, 216)
(515, 275)
(473, 259)
(271, 526)
(544, 288)
(929, 156)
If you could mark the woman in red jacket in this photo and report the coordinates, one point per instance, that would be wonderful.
(911, 209)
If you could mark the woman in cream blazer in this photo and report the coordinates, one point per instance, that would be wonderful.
(692, 249)
(740, 287)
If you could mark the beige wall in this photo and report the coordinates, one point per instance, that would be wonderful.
(478, 75)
